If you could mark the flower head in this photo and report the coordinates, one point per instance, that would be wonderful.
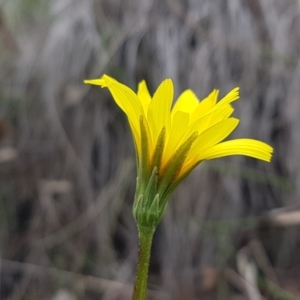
(171, 141)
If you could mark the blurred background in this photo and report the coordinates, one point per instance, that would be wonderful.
(67, 162)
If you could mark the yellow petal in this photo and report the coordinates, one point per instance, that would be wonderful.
(248, 147)
(211, 137)
(126, 99)
(210, 119)
(144, 95)
(159, 109)
(205, 105)
(220, 114)
(179, 126)
(200, 125)
(99, 81)
(186, 102)
(207, 139)
(136, 137)
(233, 95)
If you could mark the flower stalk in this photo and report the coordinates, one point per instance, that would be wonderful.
(141, 279)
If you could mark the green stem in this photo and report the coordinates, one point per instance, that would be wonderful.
(140, 285)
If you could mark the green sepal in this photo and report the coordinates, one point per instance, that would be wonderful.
(169, 191)
(153, 215)
(137, 205)
(159, 149)
(137, 190)
(146, 208)
(143, 167)
(173, 167)
(151, 189)
(173, 186)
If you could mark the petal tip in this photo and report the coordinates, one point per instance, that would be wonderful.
(100, 82)
(168, 81)
(103, 81)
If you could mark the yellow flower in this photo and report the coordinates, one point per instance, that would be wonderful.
(171, 141)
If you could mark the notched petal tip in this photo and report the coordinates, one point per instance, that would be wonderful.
(231, 96)
(168, 80)
(235, 91)
(167, 85)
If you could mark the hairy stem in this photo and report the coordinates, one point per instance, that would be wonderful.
(145, 242)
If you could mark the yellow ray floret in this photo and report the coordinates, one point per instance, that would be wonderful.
(186, 134)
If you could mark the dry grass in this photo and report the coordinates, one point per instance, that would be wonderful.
(67, 160)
